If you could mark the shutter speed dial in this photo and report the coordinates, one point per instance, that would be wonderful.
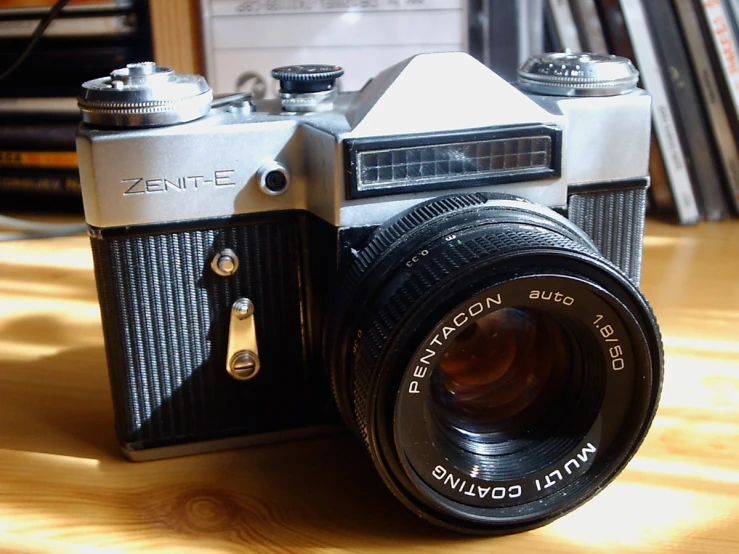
(578, 74)
(307, 88)
(307, 78)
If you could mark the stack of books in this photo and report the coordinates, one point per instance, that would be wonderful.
(687, 55)
(38, 109)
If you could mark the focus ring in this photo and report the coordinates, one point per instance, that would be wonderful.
(403, 225)
(416, 275)
(498, 241)
(388, 235)
(307, 72)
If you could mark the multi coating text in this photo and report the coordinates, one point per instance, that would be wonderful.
(556, 476)
(462, 484)
(459, 484)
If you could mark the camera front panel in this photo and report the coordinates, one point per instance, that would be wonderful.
(166, 316)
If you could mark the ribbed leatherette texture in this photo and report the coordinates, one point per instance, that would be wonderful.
(615, 222)
(166, 318)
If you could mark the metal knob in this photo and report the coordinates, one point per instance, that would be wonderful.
(144, 95)
(307, 88)
(225, 263)
(243, 365)
(243, 351)
(578, 74)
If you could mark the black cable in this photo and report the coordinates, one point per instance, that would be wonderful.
(37, 33)
(36, 230)
(32, 229)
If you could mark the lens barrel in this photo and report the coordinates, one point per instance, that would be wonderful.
(499, 370)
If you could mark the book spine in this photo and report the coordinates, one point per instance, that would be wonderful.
(733, 10)
(679, 78)
(24, 7)
(663, 114)
(589, 26)
(663, 202)
(46, 4)
(718, 116)
(530, 29)
(476, 30)
(20, 106)
(725, 46)
(32, 136)
(503, 44)
(60, 185)
(564, 25)
(111, 26)
(56, 160)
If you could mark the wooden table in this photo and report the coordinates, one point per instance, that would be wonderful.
(64, 486)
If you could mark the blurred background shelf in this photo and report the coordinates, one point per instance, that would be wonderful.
(38, 109)
(176, 31)
(686, 51)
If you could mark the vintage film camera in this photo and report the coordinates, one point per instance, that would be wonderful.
(456, 257)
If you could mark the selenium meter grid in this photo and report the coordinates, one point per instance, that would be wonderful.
(421, 164)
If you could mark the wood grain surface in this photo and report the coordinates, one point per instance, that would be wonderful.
(64, 486)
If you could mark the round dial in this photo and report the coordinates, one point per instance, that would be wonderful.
(578, 74)
(144, 95)
(307, 78)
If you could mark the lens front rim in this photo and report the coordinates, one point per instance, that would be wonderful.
(402, 300)
(564, 460)
(429, 504)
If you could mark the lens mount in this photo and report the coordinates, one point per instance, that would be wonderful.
(543, 407)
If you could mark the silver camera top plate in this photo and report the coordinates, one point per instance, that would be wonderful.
(213, 167)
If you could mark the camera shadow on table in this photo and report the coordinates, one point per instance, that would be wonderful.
(57, 435)
(61, 466)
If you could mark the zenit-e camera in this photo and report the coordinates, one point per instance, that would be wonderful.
(450, 260)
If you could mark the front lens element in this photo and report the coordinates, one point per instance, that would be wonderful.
(513, 390)
(502, 375)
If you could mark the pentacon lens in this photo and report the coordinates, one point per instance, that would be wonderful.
(499, 369)
(512, 390)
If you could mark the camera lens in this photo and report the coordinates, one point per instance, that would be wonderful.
(501, 377)
(511, 392)
(500, 371)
